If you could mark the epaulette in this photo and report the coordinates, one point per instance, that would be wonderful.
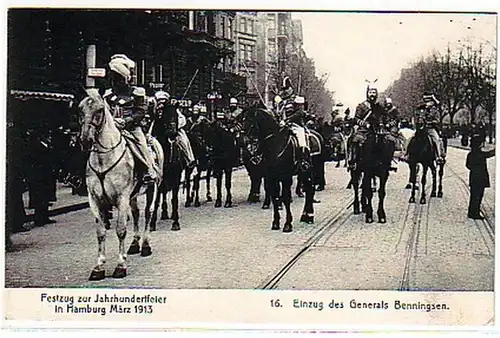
(108, 92)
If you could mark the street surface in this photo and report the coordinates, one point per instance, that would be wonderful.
(421, 247)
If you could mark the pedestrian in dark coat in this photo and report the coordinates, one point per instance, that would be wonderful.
(478, 177)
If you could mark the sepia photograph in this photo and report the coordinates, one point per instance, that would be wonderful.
(250, 150)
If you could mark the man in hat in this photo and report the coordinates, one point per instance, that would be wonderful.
(162, 99)
(129, 106)
(478, 176)
(368, 113)
(428, 111)
(293, 116)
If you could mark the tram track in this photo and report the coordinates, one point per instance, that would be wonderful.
(331, 223)
(411, 248)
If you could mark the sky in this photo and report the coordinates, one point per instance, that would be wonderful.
(356, 47)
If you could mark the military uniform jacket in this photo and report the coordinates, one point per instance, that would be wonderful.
(429, 115)
(132, 106)
(476, 163)
(292, 115)
(377, 114)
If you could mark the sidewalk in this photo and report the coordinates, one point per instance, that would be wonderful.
(67, 202)
(455, 143)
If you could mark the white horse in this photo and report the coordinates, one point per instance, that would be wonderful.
(113, 183)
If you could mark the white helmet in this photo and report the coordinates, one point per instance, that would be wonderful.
(233, 101)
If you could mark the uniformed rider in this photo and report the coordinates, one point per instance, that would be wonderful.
(129, 106)
(429, 112)
(369, 114)
(162, 99)
(292, 114)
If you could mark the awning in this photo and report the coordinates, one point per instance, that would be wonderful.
(49, 96)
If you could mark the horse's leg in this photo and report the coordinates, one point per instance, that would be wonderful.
(163, 194)
(433, 172)
(228, 173)
(156, 204)
(287, 197)
(298, 189)
(308, 211)
(423, 199)
(218, 178)
(274, 193)
(267, 197)
(440, 186)
(175, 202)
(381, 197)
(149, 210)
(134, 246)
(196, 189)
(209, 195)
(121, 232)
(254, 195)
(368, 194)
(187, 184)
(354, 181)
(413, 180)
(99, 273)
(409, 185)
(374, 184)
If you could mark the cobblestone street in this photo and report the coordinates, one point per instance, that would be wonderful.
(421, 247)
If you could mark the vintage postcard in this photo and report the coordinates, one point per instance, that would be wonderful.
(194, 168)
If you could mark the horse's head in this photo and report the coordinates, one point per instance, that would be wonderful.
(170, 120)
(260, 122)
(92, 110)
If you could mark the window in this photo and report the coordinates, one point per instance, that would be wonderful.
(230, 29)
(272, 47)
(222, 30)
(242, 24)
(242, 52)
(249, 53)
(282, 28)
(250, 24)
(271, 21)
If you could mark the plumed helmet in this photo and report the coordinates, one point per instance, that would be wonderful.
(287, 83)
(162, 95)
(123, 65)
(388, 100)
(371, 85)
(233, 101)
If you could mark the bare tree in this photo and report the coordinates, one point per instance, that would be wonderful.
(488, 94)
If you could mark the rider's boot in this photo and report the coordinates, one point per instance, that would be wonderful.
(305, 158)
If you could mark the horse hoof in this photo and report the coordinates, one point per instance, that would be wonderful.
(188, 204)
(316, 201)
(120, 272)
(320, 188)
(440, 194)
(146, 251)
(433, 194)
(307, 219)
(164, 215)
(300, 194)
(275, 226)
(209, 198)
(423, 201)
(97, 274)
(152, 228)
(287, 228)
(218, 204)
(408, 186)
(357, 211)
(253, 198)
(411, 200)
(369, 220)
(228, 204)
(197, 204)
(134, 248)
(382, 220)
(176, 226)
(265, 206)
